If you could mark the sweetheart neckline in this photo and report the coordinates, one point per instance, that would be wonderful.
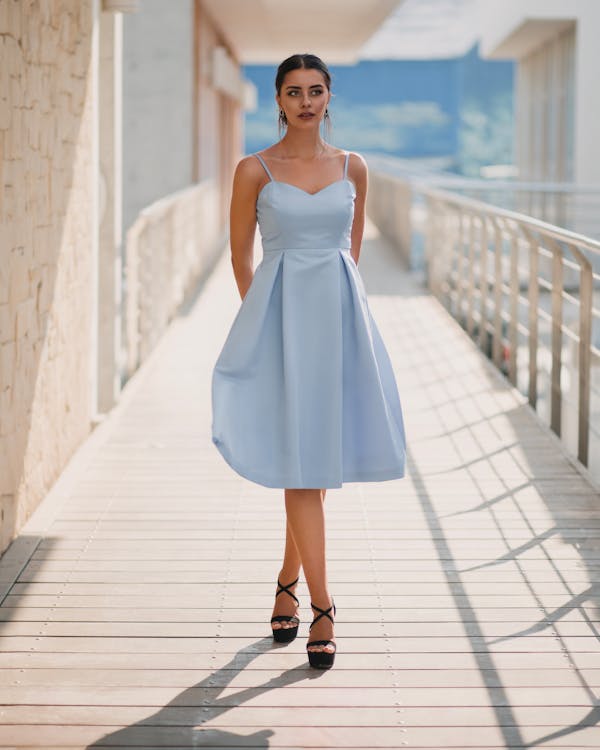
(289, 184)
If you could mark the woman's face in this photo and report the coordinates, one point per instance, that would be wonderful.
(304, 97)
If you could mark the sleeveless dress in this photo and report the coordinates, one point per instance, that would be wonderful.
(303, 391)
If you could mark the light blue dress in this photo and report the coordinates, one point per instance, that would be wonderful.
(303, 391)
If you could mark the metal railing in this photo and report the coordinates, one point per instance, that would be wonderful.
(573, 206)
(484, 263)
(522, 288)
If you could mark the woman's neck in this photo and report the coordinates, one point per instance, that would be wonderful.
(306, 146)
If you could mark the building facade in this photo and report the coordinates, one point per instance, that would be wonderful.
(558, 114)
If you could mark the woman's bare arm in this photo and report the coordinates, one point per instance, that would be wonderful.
(242, 221)
(358, 172)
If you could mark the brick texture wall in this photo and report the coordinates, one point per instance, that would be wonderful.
(46, 259)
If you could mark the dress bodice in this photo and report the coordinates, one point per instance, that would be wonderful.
(291, 218)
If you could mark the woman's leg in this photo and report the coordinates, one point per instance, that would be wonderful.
(290, 570)
(306, 521)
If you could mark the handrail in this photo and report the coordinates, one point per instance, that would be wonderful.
(521, 287)
(566, 204)
(550, 229)
(406, 170)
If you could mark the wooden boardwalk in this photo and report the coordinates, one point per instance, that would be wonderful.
(137, 599)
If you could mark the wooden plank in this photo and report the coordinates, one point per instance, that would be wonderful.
(254, 676)
(485, 618)
(223, 627)
(232, 601)
(320, 738)
(296, 696)
(322, 716)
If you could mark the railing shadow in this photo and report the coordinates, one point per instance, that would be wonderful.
(576, 522)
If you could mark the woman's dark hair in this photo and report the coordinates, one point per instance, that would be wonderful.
(294, 62)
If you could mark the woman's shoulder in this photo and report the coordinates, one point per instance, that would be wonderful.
(247, 161)
(357, 166)
(354, 157)
(249, 168)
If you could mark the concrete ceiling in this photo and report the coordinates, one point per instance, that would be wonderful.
(268, 31)
(527, 35)
(426, 30)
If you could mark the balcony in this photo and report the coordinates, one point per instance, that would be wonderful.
(136, 599)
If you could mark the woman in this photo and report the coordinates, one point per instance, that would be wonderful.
(304, 395)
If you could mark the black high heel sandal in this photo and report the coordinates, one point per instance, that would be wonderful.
(286, 635)
(321, 659)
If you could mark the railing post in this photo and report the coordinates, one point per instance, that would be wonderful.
(513, 322)
(462, 264)
(453, 224)
(533, 299)
(498, 281)
(483, 283)
(557, 321)
(471, 282)
(428, 242)
(585, 353)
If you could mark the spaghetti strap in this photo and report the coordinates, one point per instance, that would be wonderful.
(346, 165)
(262, 161)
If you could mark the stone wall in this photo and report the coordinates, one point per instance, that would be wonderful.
(46, 246)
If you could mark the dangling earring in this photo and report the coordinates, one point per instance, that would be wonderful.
(327, 124)
(281, 122)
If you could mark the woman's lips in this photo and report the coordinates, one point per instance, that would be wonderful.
(306, 115)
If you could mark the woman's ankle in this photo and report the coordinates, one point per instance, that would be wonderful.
(321, 599)
(289, 577)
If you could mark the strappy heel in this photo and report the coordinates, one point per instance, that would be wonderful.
(286, 635)
(321, 659)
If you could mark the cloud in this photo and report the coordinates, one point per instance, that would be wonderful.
(386, 127)
(411, 114)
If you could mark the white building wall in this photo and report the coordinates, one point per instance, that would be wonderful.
(158, 73)
(587, 111)
(545, 104)
(528, 30)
